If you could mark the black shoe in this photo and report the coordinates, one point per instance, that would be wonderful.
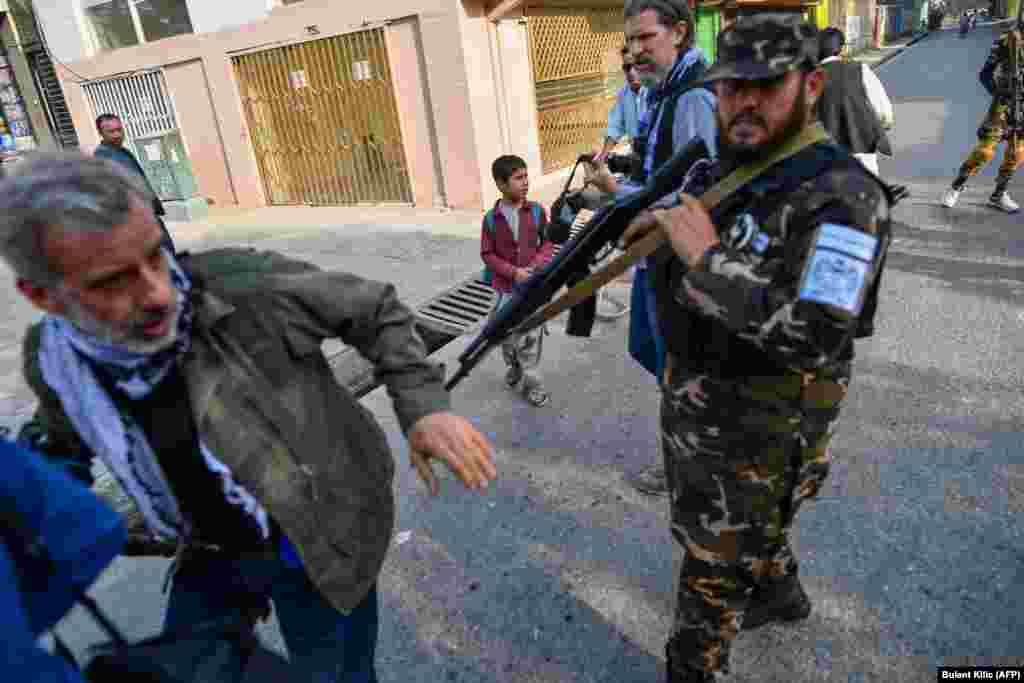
(651, 481)
(785, 603)
(689, 675)
(512, 377)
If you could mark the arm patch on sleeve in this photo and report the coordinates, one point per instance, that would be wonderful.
(839, 268)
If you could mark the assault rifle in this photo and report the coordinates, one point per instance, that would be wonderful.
(601, 233)
(523, 311)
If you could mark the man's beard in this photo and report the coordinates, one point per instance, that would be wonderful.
(654, 78)
(739, 154)
(131, 341)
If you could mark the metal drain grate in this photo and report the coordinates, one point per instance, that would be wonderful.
(461, 309)
(446, 317)
(457, 311)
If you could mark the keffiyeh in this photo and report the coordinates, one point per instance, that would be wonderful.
(116, 439)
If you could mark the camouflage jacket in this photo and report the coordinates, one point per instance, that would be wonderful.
(267, 404)
(996, 73)
(775, 296)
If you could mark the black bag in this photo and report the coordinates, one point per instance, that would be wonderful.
(218, 651)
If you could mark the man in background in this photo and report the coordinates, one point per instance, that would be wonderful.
(660, 36)
(854, 108)
(111, 131)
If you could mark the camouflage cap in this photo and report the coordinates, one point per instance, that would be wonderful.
(765, 45)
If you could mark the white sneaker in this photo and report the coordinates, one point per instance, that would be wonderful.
(950, 197)
(1004, 202)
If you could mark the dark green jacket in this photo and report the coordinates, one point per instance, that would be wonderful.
(268, 406)
(124, 156)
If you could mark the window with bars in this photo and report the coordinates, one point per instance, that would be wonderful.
(121, 23)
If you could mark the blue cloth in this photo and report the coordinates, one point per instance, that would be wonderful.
(694, 110)
(646, 344)
(81, 537)
(694, 117)
(118, 441)
(324, 646)
(624, 118)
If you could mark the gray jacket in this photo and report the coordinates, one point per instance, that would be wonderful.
(268, 406)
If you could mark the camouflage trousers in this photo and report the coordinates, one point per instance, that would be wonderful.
(994, 129)
(740, 459)
(523, 351)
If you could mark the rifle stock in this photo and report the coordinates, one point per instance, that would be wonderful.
(604, 229)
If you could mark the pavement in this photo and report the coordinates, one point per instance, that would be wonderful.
(561, 572)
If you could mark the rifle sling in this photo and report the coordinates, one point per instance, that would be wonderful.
(650, 242)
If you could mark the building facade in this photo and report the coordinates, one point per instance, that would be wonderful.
(33, 114)
(260, 102)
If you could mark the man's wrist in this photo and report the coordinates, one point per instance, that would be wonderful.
(702, 262)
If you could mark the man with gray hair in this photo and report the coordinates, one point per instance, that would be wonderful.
(200, 383)
(660, 36)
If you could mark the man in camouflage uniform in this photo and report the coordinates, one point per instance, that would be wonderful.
(760, 305)
(999, 126)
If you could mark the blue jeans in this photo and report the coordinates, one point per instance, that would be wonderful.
(324, 646)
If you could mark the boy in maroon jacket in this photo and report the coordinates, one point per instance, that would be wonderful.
(512, 245)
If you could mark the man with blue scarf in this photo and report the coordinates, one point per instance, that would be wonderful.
(660, 37)
(200, 383)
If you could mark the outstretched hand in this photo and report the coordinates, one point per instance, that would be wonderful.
(452, 439)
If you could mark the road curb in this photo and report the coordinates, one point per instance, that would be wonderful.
(896, 53)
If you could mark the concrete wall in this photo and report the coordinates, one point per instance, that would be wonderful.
(484, 103)
(62, 23)
(517, 91)
(455, 96)
(209, 16)
(416, 113)
(200, 130)
(502, 97)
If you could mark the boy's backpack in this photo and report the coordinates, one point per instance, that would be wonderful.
(538, 215)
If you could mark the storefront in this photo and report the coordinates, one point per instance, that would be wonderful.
(16, 133)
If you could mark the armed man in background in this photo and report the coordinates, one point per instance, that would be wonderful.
(762, 301)
(660, 36)
(1001, 75)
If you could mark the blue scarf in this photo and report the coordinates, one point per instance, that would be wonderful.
(689, 66)
(137, 374)
(117, 439)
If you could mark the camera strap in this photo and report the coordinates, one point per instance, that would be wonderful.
(649, 243)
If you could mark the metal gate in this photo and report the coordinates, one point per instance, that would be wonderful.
(140, 101)
(574, 54)
(324, 123)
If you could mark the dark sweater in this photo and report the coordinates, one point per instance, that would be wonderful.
(165, 416)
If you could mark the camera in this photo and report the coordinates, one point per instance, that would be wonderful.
(617, 163)
(563, 215)
(620, 163)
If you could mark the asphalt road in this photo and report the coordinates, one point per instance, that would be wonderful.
(913, 556)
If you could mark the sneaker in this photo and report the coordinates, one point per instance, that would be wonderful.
(512, 377)
(950, 197)
(1003, 202)
(538, 397)
(785, 603)
(651, 481)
